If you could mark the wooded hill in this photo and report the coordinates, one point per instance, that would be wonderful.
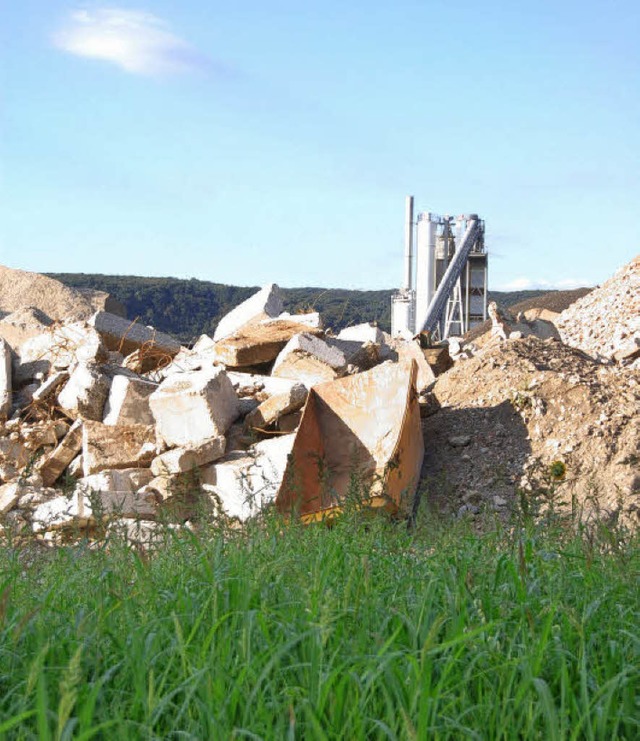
(188, 308)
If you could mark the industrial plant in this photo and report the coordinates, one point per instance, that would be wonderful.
(449, 293)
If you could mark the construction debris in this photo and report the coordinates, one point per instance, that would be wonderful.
(606, 322)
(265, 304)
(275, 412)
(344, 453)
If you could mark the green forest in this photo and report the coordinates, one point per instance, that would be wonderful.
(189, 308)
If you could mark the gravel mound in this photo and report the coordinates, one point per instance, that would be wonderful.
(606, 322)
(507, 414)
(19, 288)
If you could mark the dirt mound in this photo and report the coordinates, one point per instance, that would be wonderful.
(507, 414)
(19, 288)
(606, 322)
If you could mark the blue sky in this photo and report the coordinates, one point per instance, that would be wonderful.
(275, 141)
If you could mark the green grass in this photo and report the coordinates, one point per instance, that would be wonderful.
(361, 631)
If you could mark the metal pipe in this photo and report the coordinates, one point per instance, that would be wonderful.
(408, 243)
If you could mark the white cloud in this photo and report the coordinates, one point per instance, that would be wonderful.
(529, 284)
(138, 42)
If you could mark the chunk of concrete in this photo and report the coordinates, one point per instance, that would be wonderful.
(58, 348)
(124, 336)
(85, 393)
(6, 387)
(191, 408)
(245, 483)
(128, 401)
(264, 304)
(258, 344)
(9, 495)
(49, 388)
(410, 350)
(311, 319)
(275, 407)
(366, 332)
(23, 324)
(101, 496)
(52, 465)
(250, 384)
(181, 460)
(107, 447)
(310, 360)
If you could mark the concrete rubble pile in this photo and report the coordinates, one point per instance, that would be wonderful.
(606, 323)
(106, 422)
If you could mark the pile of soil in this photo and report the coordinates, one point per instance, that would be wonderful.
(519, 406)
(19, 288)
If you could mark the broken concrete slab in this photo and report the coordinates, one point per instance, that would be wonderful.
(191, 408)
(242, 485)
(265, 304)
(52, 465)
(85, 393)
(275, 407)
(6, 387)
(59, 347)
(367, 332)
(181, 460)
(47, 390)
(125, 446)
(258, 344)
(23, 324)
(101, 496)
(410, 350)
(311, 360)
(360, 439)
(128, 400)
(9, 495)
(126, 337)
(251, 384)
(311, 319)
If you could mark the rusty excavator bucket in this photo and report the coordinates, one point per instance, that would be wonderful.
(359, 441)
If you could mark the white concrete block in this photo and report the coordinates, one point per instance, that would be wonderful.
(366, 332)
(125, 336)
(262, 305)
(270, 411)
(191, 408)
(310, 360)
(245, 483)
(181, 460)
(128, 401)
(85, 393)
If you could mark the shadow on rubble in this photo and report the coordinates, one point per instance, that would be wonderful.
(474, 459)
